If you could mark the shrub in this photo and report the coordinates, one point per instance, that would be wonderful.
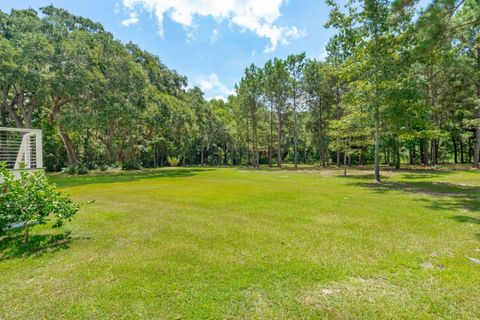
(173, 161)
(80, 169)
(130, 165)
(32, 199)
(69, 170)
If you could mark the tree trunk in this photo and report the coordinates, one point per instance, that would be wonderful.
(57, 104)
(397, 153)
(26, 233)
(295, 130)
(270, 140)
(10, 107)
(225, 154)
(425, 152)
(433, 152)
(377, 146)
(69, 147)
(476, 156)
(462, 159)
(455, 149)
(337, 117)
(248, 144)
(320, 149)
(254, 132)
(279, 140)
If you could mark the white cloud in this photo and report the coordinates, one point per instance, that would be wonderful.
(130, 21)
(323, 53)
(225, 99)
(215, 36)
(258, 16)
(212, 86)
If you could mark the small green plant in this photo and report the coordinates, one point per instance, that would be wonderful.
(173, 161)
(32, 199)
(130, 165)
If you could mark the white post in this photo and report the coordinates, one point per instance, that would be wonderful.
(27, 151)
(39, 149)
(20, 154)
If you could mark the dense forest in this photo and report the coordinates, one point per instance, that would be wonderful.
(399, 85)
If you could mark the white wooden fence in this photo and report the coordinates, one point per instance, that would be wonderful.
(21, 148)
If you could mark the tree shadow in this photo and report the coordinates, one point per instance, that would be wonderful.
(12, 246)
(366, 177)
(467, 219)
(436, 195)
(426, 174)
(124, 176)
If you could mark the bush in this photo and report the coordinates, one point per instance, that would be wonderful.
(130, 165)
(80, 169)
(173, 161)
(69, 170)
(32, 199)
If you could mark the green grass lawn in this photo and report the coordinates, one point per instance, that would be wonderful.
(242, 244)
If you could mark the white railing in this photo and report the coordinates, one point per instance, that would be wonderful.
(21, 148)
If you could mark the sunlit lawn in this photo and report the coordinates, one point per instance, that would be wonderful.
(236, 243)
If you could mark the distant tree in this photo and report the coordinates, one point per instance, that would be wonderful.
(277, 93)
(296, 67)
(249, 92)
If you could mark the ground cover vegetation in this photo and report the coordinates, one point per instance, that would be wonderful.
(233, 243)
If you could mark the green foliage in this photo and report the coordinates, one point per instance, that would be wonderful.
(269, 244)
(411, 74)
(173, 161)
(79, 169)
(32, 199)
(130, 165)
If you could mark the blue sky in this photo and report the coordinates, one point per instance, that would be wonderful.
(209, 41)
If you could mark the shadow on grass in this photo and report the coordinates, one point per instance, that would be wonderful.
(426, 174)
(124, 176)
(353, 176)
(438, 196)
(467, 219)
(12, 247)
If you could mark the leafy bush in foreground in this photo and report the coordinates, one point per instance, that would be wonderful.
(31, 199)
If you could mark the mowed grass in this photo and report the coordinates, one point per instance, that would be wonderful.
(194, 243)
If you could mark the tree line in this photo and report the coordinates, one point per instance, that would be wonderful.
(399, 85)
